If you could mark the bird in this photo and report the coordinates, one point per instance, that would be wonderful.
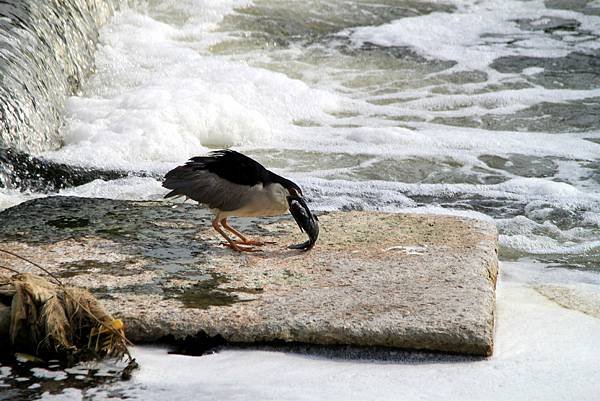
(233, 184)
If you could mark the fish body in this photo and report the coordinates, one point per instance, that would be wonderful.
(306, 220)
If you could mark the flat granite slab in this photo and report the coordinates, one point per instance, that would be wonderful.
(374, 279)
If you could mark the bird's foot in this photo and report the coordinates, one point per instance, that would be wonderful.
(240, 247)
(254, 242)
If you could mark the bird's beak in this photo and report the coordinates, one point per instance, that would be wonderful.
(305, 219)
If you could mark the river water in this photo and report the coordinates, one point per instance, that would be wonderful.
(489, 109)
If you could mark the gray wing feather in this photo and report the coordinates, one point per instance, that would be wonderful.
(206, 187)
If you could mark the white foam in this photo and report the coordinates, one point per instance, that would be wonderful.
(576, 174)
(532, 70)
(67, 394)
(540, 187)
(130, 188)
(476, 34)
(540, 197)
(498, 102)
(382, 136)
(433, 141)
(159, 96)
(5, 371)
(541, 245)
(156, 98)
(591, 218)
(527, 190)
(42, 373)
(532, 273)
(11, 197)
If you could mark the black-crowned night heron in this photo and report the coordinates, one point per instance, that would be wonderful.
(232, 184)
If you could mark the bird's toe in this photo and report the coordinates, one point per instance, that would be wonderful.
(241, 247)
(257, 243)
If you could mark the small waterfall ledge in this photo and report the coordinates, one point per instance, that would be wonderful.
(46, 51)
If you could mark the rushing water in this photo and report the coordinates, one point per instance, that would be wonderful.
(46, 50)
(486, 108)
(492, 107)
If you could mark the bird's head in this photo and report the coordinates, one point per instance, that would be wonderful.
(294, 191)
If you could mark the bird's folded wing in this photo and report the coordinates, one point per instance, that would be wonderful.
(208, 188)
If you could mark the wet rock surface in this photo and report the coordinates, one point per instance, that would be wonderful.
(373, 279)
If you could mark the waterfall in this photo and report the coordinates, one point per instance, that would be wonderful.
(46, 50)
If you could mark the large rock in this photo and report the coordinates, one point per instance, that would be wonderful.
(373, 279)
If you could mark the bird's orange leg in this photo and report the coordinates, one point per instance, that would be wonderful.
(233, 230)
(245, 241)
(231, 243)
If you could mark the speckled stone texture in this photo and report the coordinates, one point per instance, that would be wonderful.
(412, 281)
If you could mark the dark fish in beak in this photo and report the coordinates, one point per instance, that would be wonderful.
(308, 222)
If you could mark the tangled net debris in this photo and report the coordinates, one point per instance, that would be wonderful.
(50, 320)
